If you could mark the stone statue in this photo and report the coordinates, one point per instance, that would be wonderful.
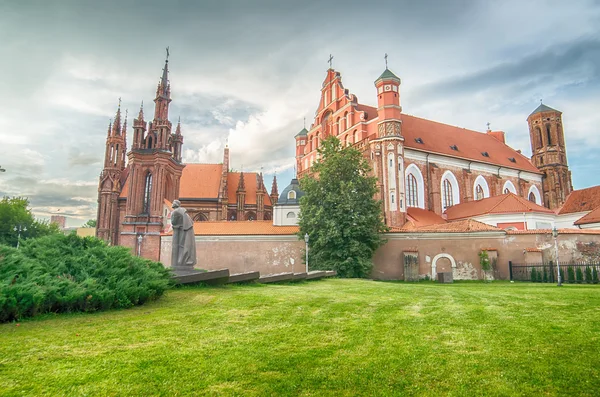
(183, 254)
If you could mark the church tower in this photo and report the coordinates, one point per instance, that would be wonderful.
(548, 153)
(388, 149)
(109, 188)
(155, 169)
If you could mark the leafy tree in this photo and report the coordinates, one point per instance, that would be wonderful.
(339, 211)
(15, 212)
(90, 223)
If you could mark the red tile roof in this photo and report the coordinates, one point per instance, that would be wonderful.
(462, 226)
(581, 200)
(503, 204)
(200, 181)
(592, 217)
(224, 228)
(420, 217)
(560, 231)
(438, 137)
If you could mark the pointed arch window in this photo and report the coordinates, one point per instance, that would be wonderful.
(147, 193)
(532, 197)
(412, 191)
(479, 193)
(448, 199)
(549, 134)
(538, 138)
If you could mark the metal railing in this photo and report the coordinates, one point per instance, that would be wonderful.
(571, 272)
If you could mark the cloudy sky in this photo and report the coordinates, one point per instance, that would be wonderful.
(248, 72)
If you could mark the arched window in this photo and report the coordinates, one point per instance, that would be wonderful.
(250, 216)
(450, 190)
(415, 187)
(344, 124)
(481, 189)
(549, 135)
(347, 140)
(338, 126)
(201, 217)
(448, 197)
(147, 193)
(291, 195)
(355, 136)
(509, 187)
(325, 124)
(349, 120)
(411, 189)
(291, 214)
(534, 195)
(478, 193)
(538, 138)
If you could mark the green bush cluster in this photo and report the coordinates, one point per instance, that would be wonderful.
(59, 273)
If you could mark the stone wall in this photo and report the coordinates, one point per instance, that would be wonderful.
(239, 254)
(434, 252)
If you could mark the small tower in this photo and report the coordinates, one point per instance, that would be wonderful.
(177, 142)
(260, 197)
(388, 149)
(241, 198)
(300, 145)
(139, 129)
(548, 153)
(274, 193)
(109, 187)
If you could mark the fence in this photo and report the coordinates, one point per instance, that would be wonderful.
(570, 272)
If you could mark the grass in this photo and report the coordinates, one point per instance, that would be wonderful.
(333, 337)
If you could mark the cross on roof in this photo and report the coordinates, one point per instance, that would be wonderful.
(167, 53)
(488, 125)
(386, 60)
(330, 61)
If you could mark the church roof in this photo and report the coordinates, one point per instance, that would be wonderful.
(200, 181)
(581, 200)
(419, 217)
(251, 186)
(221, 228)
(293, 186)
(508, 203)
(433, 137)
(302, 132)
(388, 75)
(543, 108)
(591, 217)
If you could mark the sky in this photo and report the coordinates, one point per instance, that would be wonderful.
(246, 73)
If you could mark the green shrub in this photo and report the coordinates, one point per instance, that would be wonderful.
(579, 275)
(595, 275)
(570, 274)
(59, 273)
(539, 276)
(545, 275)
(533, 275)
(588, 274)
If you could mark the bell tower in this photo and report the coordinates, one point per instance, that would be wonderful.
(155, 170)
(388, 149)
(549, 155)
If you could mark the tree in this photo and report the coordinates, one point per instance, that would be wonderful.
(90, 223)
(339, 211)
(15, 212)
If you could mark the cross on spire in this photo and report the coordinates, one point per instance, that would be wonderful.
(330, 61)
(119, 102)
(488, 125)
(167, 54)
(385, 57)
(305, 123)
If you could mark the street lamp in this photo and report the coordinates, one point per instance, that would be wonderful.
(19, 229)
(139, 240)
(555, 235)
(306, 242)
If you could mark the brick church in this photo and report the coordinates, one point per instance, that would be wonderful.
(426, 166)
(137, 187)
(423, 167)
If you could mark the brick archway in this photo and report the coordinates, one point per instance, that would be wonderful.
(434, 263)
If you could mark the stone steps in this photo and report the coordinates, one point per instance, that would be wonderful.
(216, 277)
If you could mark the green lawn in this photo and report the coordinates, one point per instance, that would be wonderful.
(331, 337)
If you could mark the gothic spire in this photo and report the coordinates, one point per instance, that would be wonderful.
(124, 130)
(117, 122)
(274, 191)
(241, 183)
(164, 80)
(109, 126)
(178, 129)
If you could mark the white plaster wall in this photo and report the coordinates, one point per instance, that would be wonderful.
(280, 215)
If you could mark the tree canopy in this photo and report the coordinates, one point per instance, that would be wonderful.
(339, 212)
(15, 212)
(89, 223)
